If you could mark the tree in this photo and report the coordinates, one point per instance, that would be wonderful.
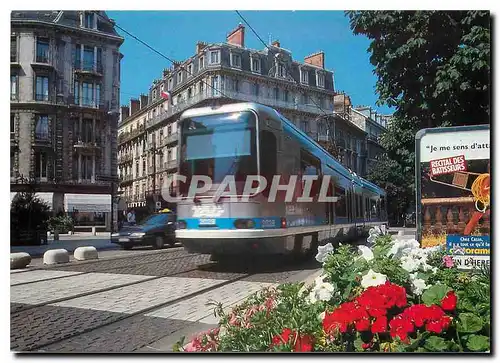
(433, 67)
(28, 213)
(388, 174)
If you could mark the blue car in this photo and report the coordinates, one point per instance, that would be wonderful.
(157, 230)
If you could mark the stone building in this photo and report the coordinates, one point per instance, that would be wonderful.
(65, 97)
(218, 73)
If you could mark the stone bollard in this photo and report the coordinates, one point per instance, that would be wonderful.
(70, 233)
(19, 260)
(52, 257)
(94, 231)
(56, 235)
(85, 253)
(401, 233)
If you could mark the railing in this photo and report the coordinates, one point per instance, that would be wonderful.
(171, 164)
(450, 215)
(42, 97)
(126, 136)
(127, 178)
(95, 67)
(125, 158)
(186, 103)
(42, 57)
(169, 139)
(42, 136)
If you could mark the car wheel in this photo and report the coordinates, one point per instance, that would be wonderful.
(159, 242)
(127, 247)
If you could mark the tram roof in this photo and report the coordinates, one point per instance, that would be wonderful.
(257, 107)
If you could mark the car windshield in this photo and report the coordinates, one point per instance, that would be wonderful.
(157, 219)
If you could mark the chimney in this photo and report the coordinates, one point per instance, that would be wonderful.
(124, 113)
(316, 59)
(134, 106)
(143, 99)
(200, 46)
(276, 43)
(237, 36)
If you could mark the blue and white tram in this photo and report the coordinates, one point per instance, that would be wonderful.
(248, 139)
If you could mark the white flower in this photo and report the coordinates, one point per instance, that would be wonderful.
(323, 252)
(322, 291)
(434, 270)
(373, 278)
(373, 234)
(366, 253)
(418, 286)
(322, 315)
(383, 229)
(409, 264)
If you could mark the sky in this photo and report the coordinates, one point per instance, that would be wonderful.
(175, 34)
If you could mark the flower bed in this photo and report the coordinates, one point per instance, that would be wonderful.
(392, 297)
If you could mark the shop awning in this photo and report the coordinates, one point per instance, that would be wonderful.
(87, 203)
(45, 197)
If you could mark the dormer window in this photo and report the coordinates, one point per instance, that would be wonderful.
(179, 77)
(170, 83)
(256, 65)
(281, 70)
(235, 60)
(89, 20)
(190, 70)
(154, 95)
(304, 76)
(162, 87)
(320, 79)
(202, 62)
(214, 57)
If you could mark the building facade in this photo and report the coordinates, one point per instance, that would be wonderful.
(65, 97)
(219, 73)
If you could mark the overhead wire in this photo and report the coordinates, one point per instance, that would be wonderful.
(304, 91)
(157, 52)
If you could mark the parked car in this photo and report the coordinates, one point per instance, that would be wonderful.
(156, 230)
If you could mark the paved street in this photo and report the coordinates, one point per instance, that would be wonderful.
(131, 302)
(140, 300)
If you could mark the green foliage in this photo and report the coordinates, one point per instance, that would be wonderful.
(434, 68)
(61, 223)
(434, 294)
(478, 343)
(436, 344)
(28, 212)
(469, 323)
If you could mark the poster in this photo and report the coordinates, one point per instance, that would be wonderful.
(453, 190)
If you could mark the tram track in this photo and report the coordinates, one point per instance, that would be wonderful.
(73, 267)
(72, 329)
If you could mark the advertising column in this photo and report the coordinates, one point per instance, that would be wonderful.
(453, 192)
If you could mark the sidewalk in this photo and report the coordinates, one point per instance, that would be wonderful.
(69, 242)
(166, 343)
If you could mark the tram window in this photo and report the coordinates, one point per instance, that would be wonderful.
(268, 155)
(367, 208)
(382, 207)
(340, 205)
(373, 208)
(310, 165)
(359, 205)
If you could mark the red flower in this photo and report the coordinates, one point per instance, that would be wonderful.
(380, 325)
(449, 302)
(367, 345)
(437, 326)
(400, 327)
(375, 312)
(304, 344)
(362, 325)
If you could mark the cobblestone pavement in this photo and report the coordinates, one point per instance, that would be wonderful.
(124, 303)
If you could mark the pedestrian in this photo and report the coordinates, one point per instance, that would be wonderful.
(131, 217)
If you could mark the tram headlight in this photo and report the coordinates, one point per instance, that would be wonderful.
(244, 223)
(181, 225)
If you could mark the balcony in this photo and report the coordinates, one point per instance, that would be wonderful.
(88, 68)
(126, 179)
(127, 158)
(127, 136)
(171, 164)
(86, 144)
(42, 61)
(43, 139)
(169, 139)
(373, 138)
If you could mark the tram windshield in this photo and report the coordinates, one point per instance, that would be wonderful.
(218, 145)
